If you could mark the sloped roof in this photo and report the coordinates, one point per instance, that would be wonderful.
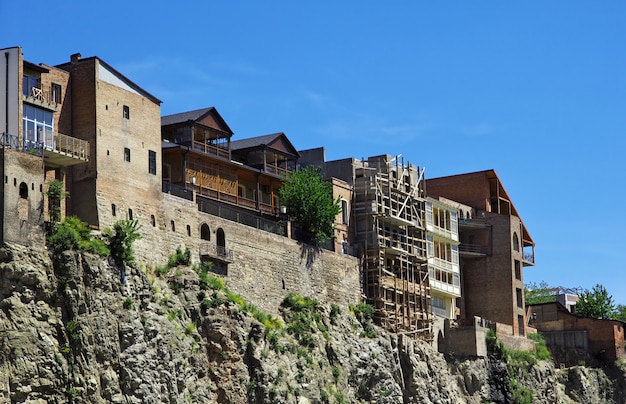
(460, 192)
(196, 116)
(67, 66)
(277, 141)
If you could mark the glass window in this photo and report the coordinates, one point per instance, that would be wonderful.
(38, 126)
(55, 92)
(28, 83)
(126, 154)
(152, 162)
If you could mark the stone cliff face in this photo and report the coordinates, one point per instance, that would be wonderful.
(70, 331)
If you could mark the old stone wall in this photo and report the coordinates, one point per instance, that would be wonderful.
(23, 198)
(265, 266)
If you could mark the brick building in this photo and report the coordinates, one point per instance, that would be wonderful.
(572, 338)
(495, 246)
(38, 143)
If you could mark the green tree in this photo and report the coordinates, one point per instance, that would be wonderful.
(56, 193)
(596, 303)
(121, 240)
(309, 202)
(536, 294)
(620, 312)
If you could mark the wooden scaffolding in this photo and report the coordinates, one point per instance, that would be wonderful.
(389, 209)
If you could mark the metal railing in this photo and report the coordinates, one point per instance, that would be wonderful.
(178, 191)
(52, 142)
(471, 248)
(216, 251)
(234, 215)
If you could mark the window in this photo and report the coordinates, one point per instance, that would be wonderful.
(153, 220)
(438, 302)
(515, 242)
(126, 112)
(152, 162)
(518, 292)
(173, 225)
(28, 84)
(188, 230)
(113, 209)
(38, 126)
(55, 93)
(126, 154)
(23, 190)
(518, 270)
(205, 234)
(344, 211)
(130, 214)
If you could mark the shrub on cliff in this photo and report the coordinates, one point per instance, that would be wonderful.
(74, 234)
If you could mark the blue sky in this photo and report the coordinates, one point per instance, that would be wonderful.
(534, 90)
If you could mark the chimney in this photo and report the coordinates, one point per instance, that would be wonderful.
(75, 57)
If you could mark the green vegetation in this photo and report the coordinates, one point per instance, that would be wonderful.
(72, 331)
(180, 257)
(303, 318)
(121, 239)
(519, 362)
(537, 294)
(55, 193)
(309, 202)
(596, 303)
(541, 349)
(365, 314)
(129, 304)
(74, 234)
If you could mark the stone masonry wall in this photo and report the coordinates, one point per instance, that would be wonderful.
(265, 266)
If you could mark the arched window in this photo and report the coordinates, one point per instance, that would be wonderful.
(221, 238)
(188, 230)
(515, 242)
(23, 190)
(205, 233)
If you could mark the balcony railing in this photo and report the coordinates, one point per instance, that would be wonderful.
(216, 251)
(57, 148)
(178, 191)
(529, 257)
(38, 96)
(472, 249)
(230, 213)
(212, 149)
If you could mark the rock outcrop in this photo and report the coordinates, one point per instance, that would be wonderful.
(71, 331)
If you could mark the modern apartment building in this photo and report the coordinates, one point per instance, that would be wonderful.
(495, 247)
(442, 246)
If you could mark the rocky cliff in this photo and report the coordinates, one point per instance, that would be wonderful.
(71, 331)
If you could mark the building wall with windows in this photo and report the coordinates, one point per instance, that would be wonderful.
(122, 122)
(442, 241)
(495, 246)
